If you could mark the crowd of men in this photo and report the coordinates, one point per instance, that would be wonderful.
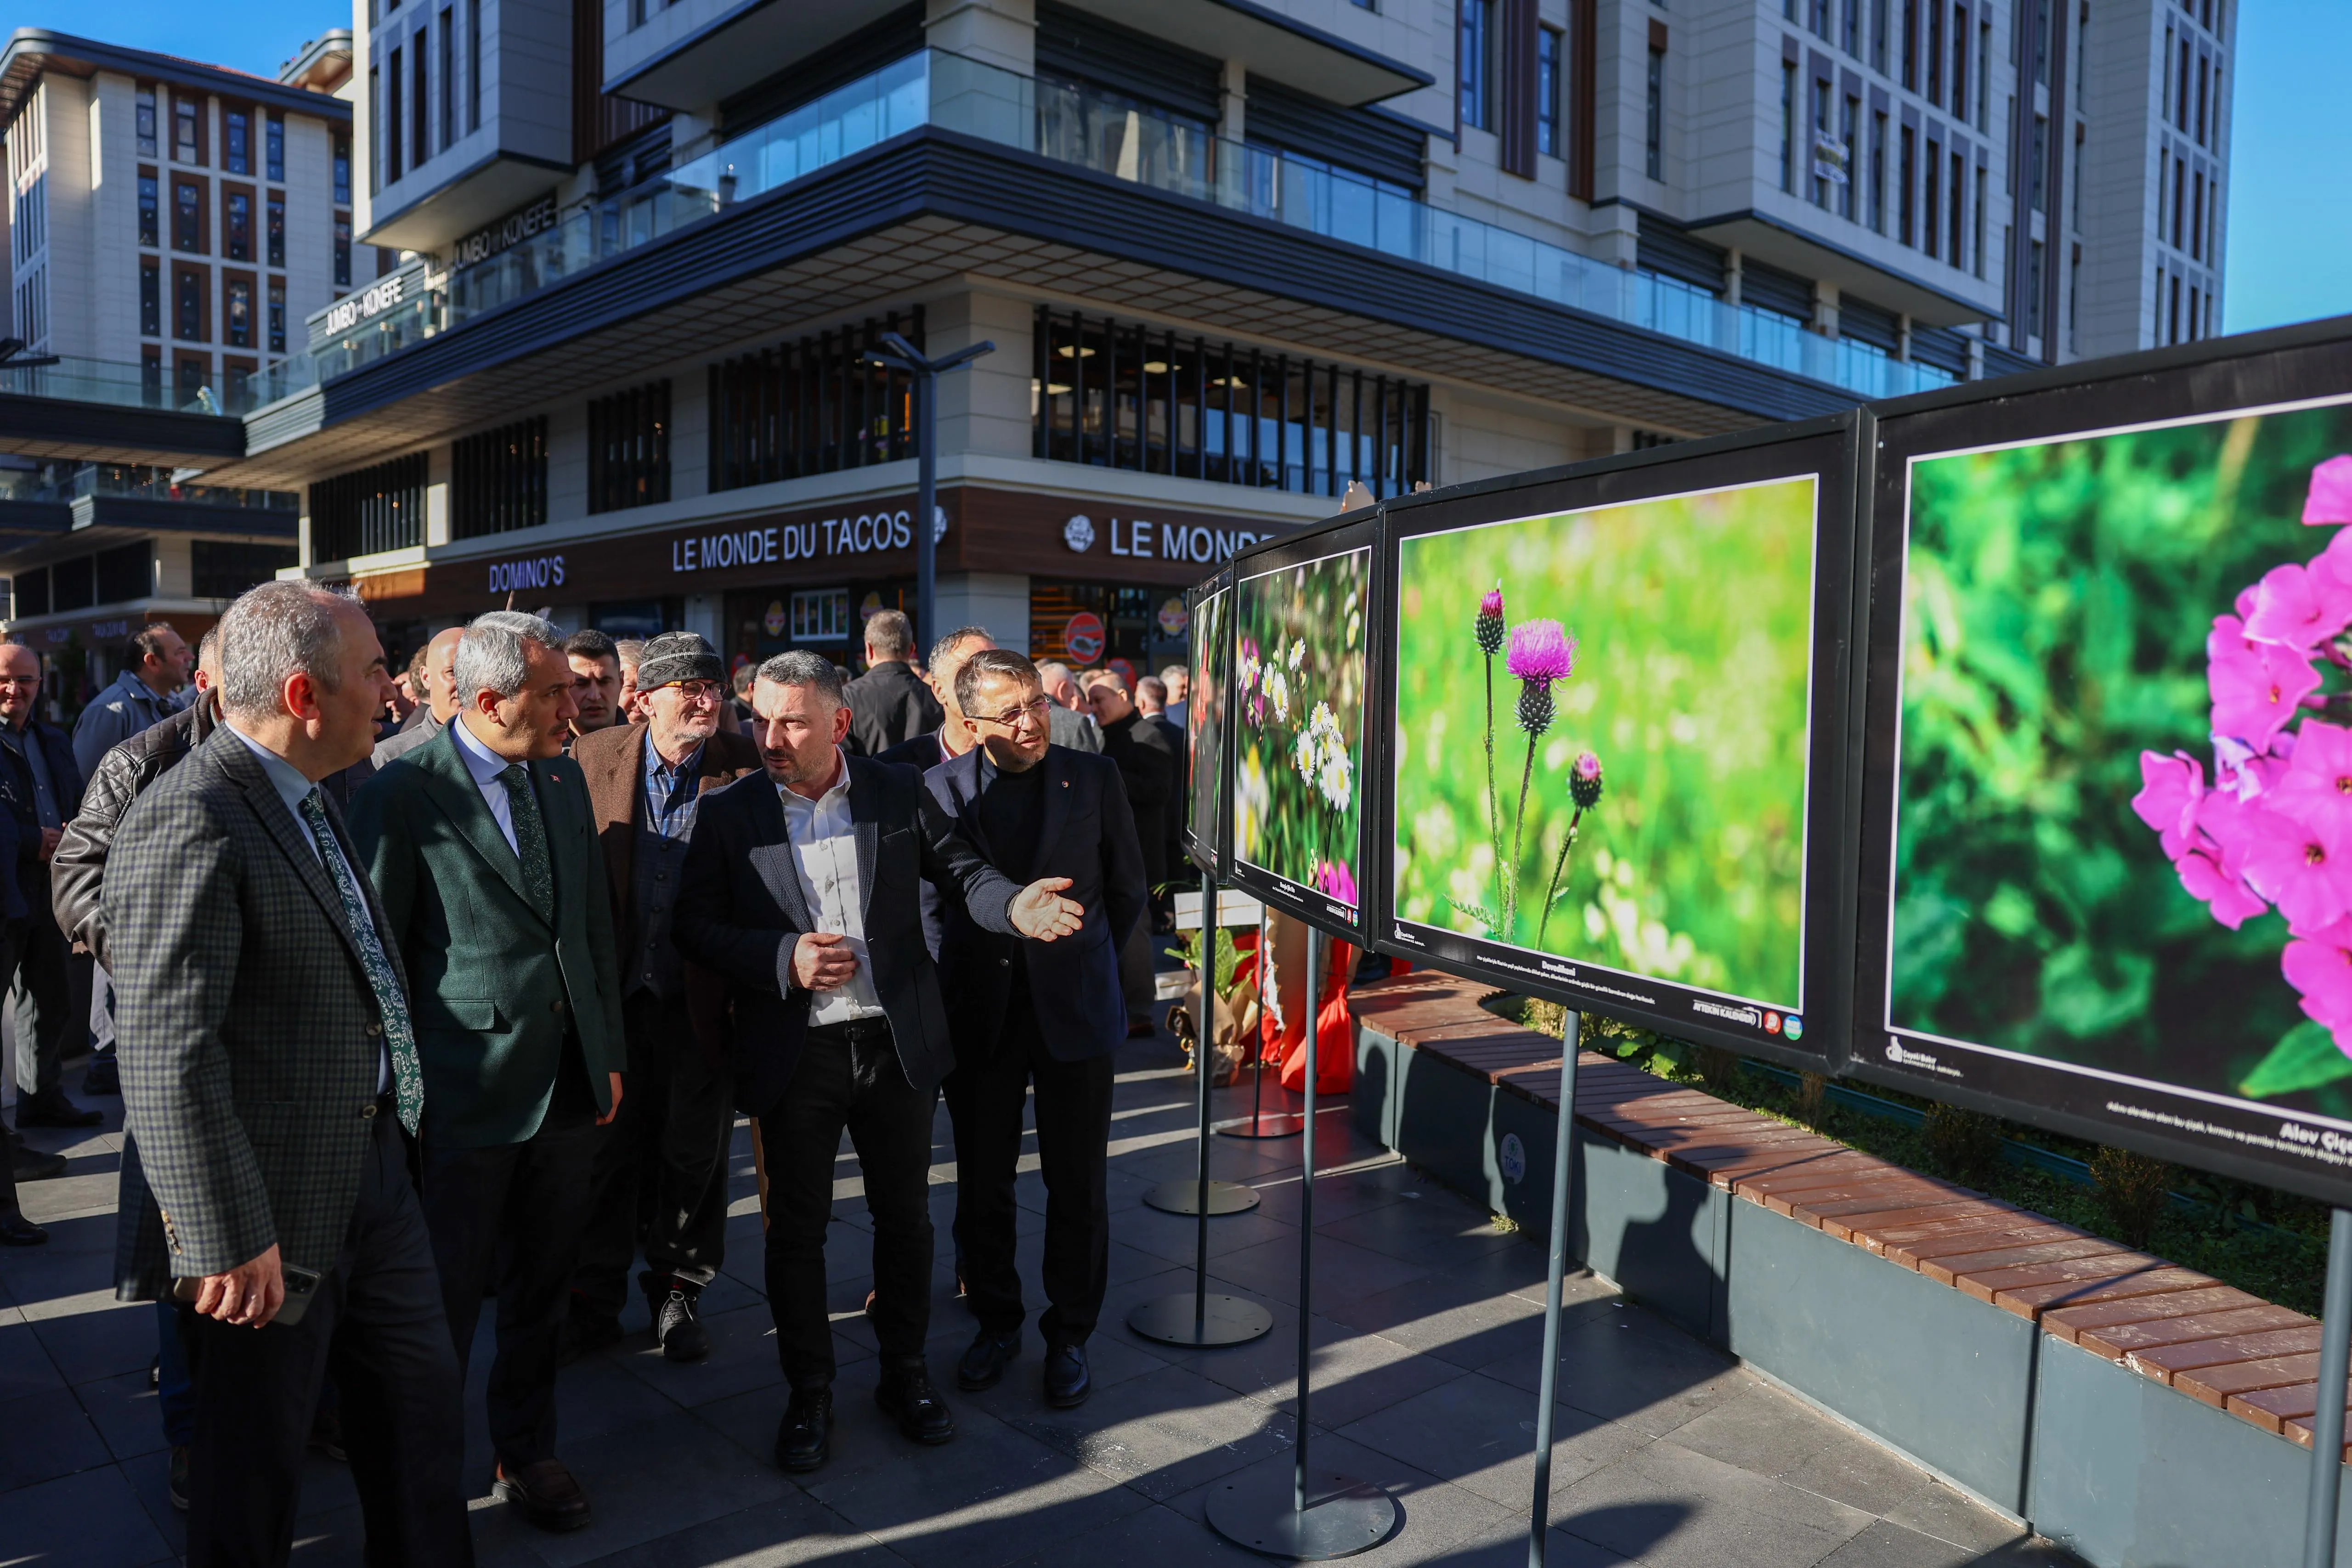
(441, 985)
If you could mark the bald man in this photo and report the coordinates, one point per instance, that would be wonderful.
(440, 698)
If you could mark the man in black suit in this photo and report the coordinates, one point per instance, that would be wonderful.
(51, 988)
(1030, 1015)
(889, 702)
(799, 888)
(948, 737)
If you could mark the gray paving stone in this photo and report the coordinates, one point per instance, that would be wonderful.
(98, 1337)
(1621, 1363)
(653, 1479)
(127, 1413)
(46, 1435)
(90, 1517)
(1438, 1518)
(1731, 1515)
(24, 1364)
(1162, 1433)
(1341, 1269)
(780, 1533)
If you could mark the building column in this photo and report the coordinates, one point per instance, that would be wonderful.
(996, 600)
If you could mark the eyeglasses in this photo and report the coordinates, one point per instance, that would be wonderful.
(20, 680)
(692, 690)
(1034, 708)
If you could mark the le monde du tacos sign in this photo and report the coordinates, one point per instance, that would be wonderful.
(847, 535)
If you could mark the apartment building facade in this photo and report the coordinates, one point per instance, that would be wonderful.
(1231, 259)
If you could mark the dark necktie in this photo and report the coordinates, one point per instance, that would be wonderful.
(531, 840)
(399, 1037)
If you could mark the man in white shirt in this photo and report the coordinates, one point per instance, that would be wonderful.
(801, 889)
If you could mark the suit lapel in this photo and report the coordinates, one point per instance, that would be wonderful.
(864, 813)
(772, 854)
(291, 840)
(1055, 810)
(452, 788)
(557, 803)
(963, 795)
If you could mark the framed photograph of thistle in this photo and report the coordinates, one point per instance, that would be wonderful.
(2107, 885)
(1302, 615)
(1617, 735)
(1205, 733)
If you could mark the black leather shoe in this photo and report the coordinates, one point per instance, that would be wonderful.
(907, 1397)
(100, 1077)
(15, 1230)
(546, 1493)
(50, 1108)
(1067, 1382)
(985, 1359)
(677, 1327)
(34, 1164)
(802, 1441)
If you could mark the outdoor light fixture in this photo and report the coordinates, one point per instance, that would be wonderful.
(898, 354)
(14, 358)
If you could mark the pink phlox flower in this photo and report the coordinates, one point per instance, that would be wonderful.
(2318, 964)
(1540, 651)
(2257, 687)
(2245, 602)
(2228, 898)
(2297, 867)
(2170, 788)
(2330, 497)
(2302, 607)
(1334, 878)
(2316, 788)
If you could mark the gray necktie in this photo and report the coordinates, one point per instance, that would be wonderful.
(407, 1079)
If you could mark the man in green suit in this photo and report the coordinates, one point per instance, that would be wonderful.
(483, 849)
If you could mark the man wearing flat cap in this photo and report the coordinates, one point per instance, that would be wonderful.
(661, 1171)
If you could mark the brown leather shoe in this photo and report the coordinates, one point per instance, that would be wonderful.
(546, 1493)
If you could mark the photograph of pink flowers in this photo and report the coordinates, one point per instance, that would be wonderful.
(1601, 737)
(1297, 717)
(1204, 726)
(2124, 818)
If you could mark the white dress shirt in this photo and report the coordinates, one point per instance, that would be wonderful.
(486, 765)
(824, 854)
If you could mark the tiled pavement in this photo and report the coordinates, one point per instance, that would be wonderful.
(1427, 1333)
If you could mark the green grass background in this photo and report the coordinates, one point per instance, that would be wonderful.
(1281, 822)
(2059, 597)
(1693, 615)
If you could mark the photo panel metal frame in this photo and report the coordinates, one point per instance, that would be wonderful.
(1348, 533)
(1826, 450)
(2273, 372)
(1207, 844)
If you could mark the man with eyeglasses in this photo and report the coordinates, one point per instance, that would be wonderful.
(1033, 1018)
(45, 991)
(661, 1168)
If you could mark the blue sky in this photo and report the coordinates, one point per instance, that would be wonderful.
(2290, 246)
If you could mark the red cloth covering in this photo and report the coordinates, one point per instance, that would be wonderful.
(1335, 1037)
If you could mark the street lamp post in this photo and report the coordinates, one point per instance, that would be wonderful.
(898, 354)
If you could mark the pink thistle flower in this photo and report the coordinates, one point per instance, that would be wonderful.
(1488, 627)
(1540, 651)
(2256, 686)
(2296, 868)
(2317, 788)
(1492, 604)
(2299, 607)
(2319, 964)
(1584, 781)
(2169, 790)
(2330, 497)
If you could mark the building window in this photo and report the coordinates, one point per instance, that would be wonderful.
(1878, 173)
(1549, 57)
(2075, 301)
(2204, 71)
(474, 66)
(274, 221)
(1789, 126)
(1980, 222)
(449, 76)
(811, 406)
(1878, 27)
(237, 155)
(2037, 181)
(394, 100)
(821, 615)
(275, 147)
(276, 316)
(150, 377)
(2163, 192)
(1911, 46)
(1473, 48)
(1821, 134)
(629, 448)
(342, 170)
(422, 118)
(1906, 171)
(1984, 70)
(188, 300)
(223, 569)
(2033, 290)
(150, 300)
(1959, 63)
(2197, 216)
(187, 216)
(188, 146)
(2179, 190)
(144, 120)
(2175, 336)
(1848, 130)
(1119, 395)
(238, 294)
(1936, 52)
(343, 251)
(125, 572)
(498, 480)
(150, 218)
(1654, 136)
(237, 226)
(1959, 189)
(1932, 205)
(369, 510)
(1852, 30)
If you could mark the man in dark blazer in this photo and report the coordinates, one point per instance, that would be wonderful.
(51, 992)
(801, 889)
(270, 1079)
(661, 1168)
(951, 739)
(889, 702)
(1032, 1015)
(483, 847)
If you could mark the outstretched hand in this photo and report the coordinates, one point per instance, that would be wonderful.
(1038, 911)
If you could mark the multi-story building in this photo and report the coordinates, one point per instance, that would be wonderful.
(1231, 259)
(2125, 209)
(170, 224)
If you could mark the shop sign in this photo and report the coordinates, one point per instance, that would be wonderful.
(865, 533)
(1143, 539)
(386, 294)
(98, 631)
(1173, 617)
(525, 574)
(773, 621)
(1084, 637)
(524, 222)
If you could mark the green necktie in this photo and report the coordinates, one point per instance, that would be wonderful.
(531, 840)
(407, 1078)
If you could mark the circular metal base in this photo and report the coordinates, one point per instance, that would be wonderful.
(1171, 1320)
(1184, 1197)
(1264, 1125)
(1256, 1510)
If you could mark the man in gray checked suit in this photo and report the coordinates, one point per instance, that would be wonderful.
(270, 1076)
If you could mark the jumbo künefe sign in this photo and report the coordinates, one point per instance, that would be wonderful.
(526, 222)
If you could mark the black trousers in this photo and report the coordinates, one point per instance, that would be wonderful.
(378, 1324)
(510, 1216)
(661, 1166)
(986, 1099)
(50, 994)
(859, 1085)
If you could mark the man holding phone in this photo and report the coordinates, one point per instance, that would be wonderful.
(270, 1079)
